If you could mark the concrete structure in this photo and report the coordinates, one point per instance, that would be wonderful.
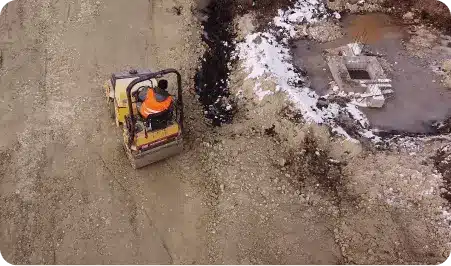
(359, 75)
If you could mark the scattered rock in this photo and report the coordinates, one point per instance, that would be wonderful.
(322, 103)
(257, 40)
(282, 162)
(447, 82)
(325, 32)
(447, 65)
(206, 144)
(408, 16)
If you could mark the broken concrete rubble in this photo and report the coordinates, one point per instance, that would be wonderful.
(375, 98)
(358, 75)
(408, 16)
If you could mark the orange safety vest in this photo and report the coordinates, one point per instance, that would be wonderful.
(152, 106)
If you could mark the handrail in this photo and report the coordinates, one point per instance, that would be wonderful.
(147, 76)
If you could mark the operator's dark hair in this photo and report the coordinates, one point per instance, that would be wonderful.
(163, 84)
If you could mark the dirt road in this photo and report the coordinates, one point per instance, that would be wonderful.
(69, 196)
(68, 193)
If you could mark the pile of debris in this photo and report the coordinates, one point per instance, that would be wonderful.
(358, 76)
(266, 60)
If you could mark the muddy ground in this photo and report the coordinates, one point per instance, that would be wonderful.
(420, 97)
(238, 194)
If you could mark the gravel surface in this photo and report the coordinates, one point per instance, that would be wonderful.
(238, 194)
(68, 192)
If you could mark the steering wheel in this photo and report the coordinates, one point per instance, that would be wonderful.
(136, 93)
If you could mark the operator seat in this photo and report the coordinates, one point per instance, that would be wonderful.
(153, 121)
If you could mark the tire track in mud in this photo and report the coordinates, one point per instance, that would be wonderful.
(65, 120)
(45, 199)
(37, 222)
(26, 157)
(59, 187)
(151, 19)
(131, 196)
(20, 12)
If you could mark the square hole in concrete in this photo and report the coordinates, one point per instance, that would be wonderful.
(350, 71)
(359, 74)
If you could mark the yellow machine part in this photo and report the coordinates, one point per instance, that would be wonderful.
(121, 112)
(156, 135)
(144, 156)
(120, 96)
(120, 89)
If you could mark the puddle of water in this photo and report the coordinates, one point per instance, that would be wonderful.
(372, 28)
(419, 98)
(308, 57)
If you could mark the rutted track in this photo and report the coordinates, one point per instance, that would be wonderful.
(68, 193)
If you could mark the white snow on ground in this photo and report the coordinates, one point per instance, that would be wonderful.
(303, 11)
(266, 58)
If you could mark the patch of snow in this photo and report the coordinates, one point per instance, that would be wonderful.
(335, 88)
(306, 11)
(264, 57)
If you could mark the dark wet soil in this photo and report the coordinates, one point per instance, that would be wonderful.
(211, 78)
(429, 11)
(419, 98)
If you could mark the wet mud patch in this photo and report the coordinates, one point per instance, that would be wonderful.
(418, 102)
(436, 129)
(211, 80)
(312, 166)
(429, 11)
